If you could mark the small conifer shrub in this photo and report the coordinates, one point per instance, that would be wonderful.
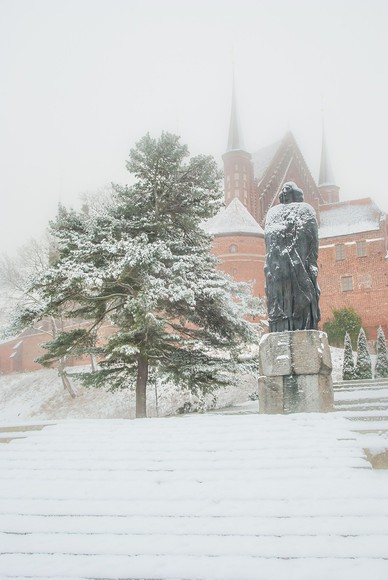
(363, 368)
(348, 364)
(381, 369)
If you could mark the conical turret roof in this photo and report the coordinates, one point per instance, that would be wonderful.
(233, 220)
(235, 141)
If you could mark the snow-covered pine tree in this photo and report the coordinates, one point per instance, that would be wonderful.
(348, 364)
(381, 368)
(363, 368)
(145, 265)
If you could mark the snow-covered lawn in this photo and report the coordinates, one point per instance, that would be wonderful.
(39, 395)
(201, 496)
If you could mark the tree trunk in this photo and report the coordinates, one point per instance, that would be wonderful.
(156, 399)
(67, 384)
(93, 363)
(65, 379)
(141, 386)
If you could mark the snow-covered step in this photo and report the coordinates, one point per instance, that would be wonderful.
(380, 391)
(216, 545)
(7, 437)
(313, 506)
(160, 490)
(10, 432)
(222, 525)
(381, 404)
(361, 426)
(360, 382)
(74, 476)
(108, 566)
(366, 414)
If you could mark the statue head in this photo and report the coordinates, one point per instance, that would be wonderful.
(290, 193)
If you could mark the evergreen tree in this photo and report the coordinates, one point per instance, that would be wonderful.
(363, 368)
(348, 364)
(145, 265)
(381, 368)
(344, 320)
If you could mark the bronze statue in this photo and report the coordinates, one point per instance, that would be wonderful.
(291, 269)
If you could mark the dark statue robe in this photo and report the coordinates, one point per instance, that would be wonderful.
(291, 270)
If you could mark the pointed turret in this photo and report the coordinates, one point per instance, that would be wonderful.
(327, 187)
(235, 141)
(238, 168)
(326, 176)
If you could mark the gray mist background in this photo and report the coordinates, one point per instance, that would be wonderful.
(82, 80)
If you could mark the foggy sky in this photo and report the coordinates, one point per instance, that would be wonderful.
(81, 81)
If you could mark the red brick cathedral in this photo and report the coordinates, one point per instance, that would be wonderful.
(353, 235)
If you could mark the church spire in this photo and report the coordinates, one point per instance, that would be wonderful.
(326, 176)
(238, 168)
(326, 183)
(235, 141)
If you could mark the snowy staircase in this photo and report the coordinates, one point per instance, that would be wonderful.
(365, 400)
(200, 496)
(365, 403)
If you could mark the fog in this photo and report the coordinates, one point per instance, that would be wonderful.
(83, 80)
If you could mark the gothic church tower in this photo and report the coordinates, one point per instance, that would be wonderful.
(238, 168)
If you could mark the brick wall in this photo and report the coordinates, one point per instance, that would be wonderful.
(360, 281)
(238, 178)
(242, 257)
(19, 354)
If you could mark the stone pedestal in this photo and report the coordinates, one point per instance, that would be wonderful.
(295, 372)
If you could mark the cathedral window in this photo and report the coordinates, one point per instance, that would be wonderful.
(346, 283)
(233, 249)
(340, 252)
(361, 248)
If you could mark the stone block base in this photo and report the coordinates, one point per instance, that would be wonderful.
(295, 370)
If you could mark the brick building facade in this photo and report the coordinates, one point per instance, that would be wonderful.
(353, 262)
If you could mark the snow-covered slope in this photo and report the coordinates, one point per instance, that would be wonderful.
(40, 396)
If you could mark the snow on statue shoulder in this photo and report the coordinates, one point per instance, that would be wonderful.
(291, 269)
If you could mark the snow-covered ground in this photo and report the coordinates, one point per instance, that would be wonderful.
(40, 395)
